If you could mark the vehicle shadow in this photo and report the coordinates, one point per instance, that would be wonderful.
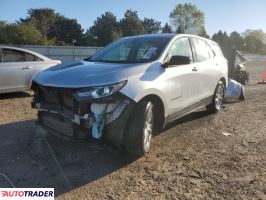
(31, 158)
(15, 95)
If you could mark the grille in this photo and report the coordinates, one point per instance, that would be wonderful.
(51, 97)
(68, 101)
(59, 98)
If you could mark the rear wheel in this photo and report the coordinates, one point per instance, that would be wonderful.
(139, 132)
(218, 98)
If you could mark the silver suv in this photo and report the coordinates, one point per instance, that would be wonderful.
(128, 91)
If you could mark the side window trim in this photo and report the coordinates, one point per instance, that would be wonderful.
(193, 49)
(210, 49)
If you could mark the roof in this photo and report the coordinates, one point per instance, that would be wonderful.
(168, 35)
(25, 50)
(157, 35)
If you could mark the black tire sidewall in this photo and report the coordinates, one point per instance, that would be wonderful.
(133, 141)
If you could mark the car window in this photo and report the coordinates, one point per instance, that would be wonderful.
(13, 56)
(181, 47)
(131, 50)
(30, 57)
(201, 50)
(211, 52)
(217, 49)
(120, 53)
(38, 59)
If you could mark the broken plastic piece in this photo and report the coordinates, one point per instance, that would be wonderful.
(234, 90)
(99, 111)
(226, 134)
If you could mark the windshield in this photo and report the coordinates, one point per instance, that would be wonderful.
(131, 50)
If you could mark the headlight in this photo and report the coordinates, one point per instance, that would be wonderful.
(101, 91)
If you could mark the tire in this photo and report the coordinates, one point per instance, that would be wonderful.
(139, 131)
(218, 98)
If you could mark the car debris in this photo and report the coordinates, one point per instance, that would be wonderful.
(236, 65)
(235, 91)
(226, 134)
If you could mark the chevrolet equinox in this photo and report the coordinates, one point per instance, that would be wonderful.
(129, 90)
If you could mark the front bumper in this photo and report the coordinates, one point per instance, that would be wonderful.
(77, 121)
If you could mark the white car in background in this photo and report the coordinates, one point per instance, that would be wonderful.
(18, 67)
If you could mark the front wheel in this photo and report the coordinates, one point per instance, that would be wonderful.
(139, 132)
(218, 98)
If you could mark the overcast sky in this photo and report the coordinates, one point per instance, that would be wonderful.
(226, 15)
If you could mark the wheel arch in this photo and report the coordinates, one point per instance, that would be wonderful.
(159, 111)
(224, 81)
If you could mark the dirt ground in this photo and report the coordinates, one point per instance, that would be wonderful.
(191, 159)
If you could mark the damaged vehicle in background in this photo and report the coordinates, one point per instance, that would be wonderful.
(129, 90)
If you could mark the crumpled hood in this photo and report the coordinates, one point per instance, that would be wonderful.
(86, 74)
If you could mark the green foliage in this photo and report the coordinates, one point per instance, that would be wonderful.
(43, 19)
(236, 41)
(54, 26)
(131, 24)
(222, 39)
(150, 25)
(251, 41)
(167, 28)
(105, 29)
(66, 30)
(187, 18)
(21, 34)
(3, 36)
(254, 41)
(116, 35)
(203, 33)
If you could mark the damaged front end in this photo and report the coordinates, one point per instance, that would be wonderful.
(83, 113)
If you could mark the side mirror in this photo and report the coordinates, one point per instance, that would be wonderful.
(177, 60)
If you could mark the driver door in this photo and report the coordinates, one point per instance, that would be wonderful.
(183, 80)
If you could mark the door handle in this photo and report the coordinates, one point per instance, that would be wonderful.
(27, 67)
(195, 69)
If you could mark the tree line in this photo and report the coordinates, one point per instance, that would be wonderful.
(44, 26)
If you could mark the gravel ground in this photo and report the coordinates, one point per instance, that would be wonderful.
(201, 156)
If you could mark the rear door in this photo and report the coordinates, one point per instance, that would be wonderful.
(205, 67)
